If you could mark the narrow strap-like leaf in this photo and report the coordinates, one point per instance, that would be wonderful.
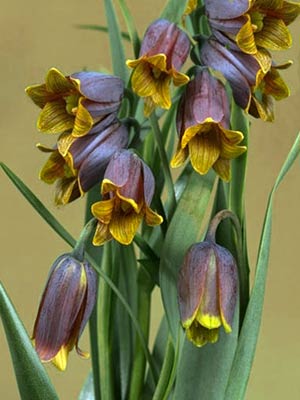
(174, 10)
(42, 210)
(101, 28)
(33, 381)
(131, 28)
(116, 45)
(39, 206)
(250, 329)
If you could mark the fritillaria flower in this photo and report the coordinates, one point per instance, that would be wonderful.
(271, 87)
(78, 165)
(242, 71)
(79, 103)
(253, 24)
(203, 127)
(127, 190)
(164, 50)
(66, 305)
(207, 292)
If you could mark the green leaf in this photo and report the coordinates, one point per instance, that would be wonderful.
(101, 28)
(49, 218)
(206, 370)
(33, 381)
(174, 10)
(250, 329)
(116, 46)
(131, 28)
(183, 231)
(124, 338)
(39, 206)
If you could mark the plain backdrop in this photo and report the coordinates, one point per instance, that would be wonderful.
(36, 35)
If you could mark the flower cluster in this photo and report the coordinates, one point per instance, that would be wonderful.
(243, 34)
(83, 109)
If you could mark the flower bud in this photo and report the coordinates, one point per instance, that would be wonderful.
(207, 292)
(66, 305)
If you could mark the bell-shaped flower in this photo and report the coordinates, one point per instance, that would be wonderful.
(127, 190)
(203, 127)
(242, 71)
(253, 24)
(78, 165)
(164, 49)
(66, 305)
(207, 292)
(80, 103)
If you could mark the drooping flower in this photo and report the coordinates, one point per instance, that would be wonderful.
(164, 50)
(203, 127)
(81, 103)
(253, 24)
(66, 305)
(127, 190)
(243, 71)
(271, 87)
(78, 165)
(207, 292)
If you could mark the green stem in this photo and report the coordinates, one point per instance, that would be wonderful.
(239, 121)
(104, 308)
(165, 163)
(79, 248)
(139, 361)
(165, 373)
(96, 253)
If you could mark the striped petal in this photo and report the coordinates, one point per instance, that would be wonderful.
(54, 118)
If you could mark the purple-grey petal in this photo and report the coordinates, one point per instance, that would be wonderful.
(99, 87)
(226, 9)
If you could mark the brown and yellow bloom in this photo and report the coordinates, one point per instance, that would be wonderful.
(65, 308)
(79, 103)
(78, 167)
(207, 292)
(164, 50)
(203, 127)
(127, 190)
(253, 24)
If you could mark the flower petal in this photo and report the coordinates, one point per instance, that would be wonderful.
(101, 235)
(222, 168)
(102, 210)
(83, 121)
(56, 82)
(54, 118)
(274, 36)
(152, 218)
(123, 227)
(204, 151)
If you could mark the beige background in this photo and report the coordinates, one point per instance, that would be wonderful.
(35, 35)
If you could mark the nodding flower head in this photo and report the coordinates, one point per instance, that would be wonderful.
(77, 103)
(66, 305)
(127, 190)
(164, 49)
